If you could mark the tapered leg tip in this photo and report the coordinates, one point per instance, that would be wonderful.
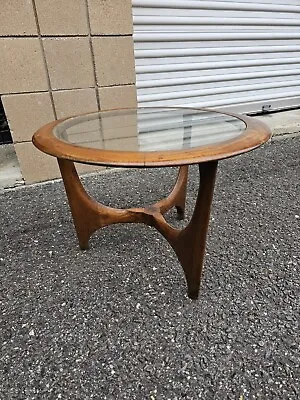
(193, 294)
(84, 246)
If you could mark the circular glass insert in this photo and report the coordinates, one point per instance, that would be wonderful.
(149, 129)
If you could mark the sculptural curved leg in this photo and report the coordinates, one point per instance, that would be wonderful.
(85, 211)
(89, 215)
(178, 195)
(188, 243)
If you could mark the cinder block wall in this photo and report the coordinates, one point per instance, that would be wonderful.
(60, 58)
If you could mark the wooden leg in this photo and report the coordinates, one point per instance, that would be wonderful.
(177, 197)
(181, 197)
(88, 215)
(188, 243)
(84, 209)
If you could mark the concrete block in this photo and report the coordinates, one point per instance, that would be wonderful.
(26, 113)
(69, 63)
(74, 102)
(110, 17)
(56, 17)
(117, 97)
(23, 68)
(36, 166)
(17, 18)
(114, 59)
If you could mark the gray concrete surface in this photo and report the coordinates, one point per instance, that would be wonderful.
(114, 322)
(10, 174)
(284, 122)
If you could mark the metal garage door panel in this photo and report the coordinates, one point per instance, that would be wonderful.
(242, 54)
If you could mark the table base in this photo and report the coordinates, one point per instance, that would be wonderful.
(188, 243)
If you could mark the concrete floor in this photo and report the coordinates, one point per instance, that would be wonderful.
(282, 123)
(10, 174)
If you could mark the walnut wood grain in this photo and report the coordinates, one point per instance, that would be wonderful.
(178, 195)
(188, 243)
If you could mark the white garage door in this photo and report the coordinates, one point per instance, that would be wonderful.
(244, 55)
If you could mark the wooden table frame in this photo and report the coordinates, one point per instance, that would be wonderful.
(189, 242)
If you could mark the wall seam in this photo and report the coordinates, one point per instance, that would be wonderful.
(44, 58)
(20, 93)
(92, 53)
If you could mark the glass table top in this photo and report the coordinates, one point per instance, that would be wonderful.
(149, 129)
